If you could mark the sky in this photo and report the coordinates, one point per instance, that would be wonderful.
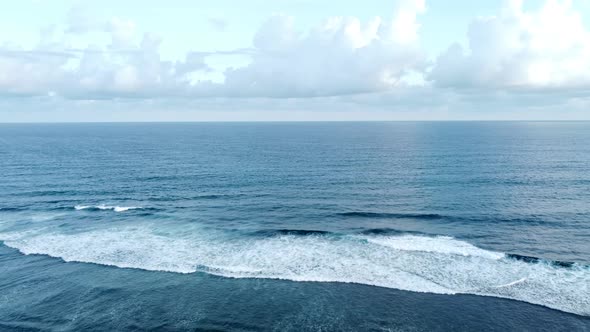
(294, 60)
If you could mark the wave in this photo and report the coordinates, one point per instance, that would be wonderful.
(107, 207)
(434, 264)
(40, 193)
(298, 232)
(532, 259)
(383, 215)
(195, 197)
(10, 209)
(529, 220)
(512, 283)
(440, 245)
(388, 231)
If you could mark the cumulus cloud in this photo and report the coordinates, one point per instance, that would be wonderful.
(129, 66)
(81, 20)
(26, 72)
(341, 56)
(517, 58)
(548, 47)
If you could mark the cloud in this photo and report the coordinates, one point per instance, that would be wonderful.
(415, 103)
(548, 47)
(517, 62)
(24, 72)
(138, 72)
(122, 31)
(341, 56)
(129, 66)
(81, 21)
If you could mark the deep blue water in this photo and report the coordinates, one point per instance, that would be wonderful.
(295, 226)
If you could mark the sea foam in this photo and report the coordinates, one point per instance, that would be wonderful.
(441, 265)
(106, 207)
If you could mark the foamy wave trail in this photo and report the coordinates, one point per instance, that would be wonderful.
(441, 265)
(438, 245)
(106, 207)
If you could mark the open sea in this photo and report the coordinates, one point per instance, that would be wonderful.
(381, 226)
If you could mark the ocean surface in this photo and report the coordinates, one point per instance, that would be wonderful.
(393, 226)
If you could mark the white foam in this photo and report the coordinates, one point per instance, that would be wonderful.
(516, 282)
(422, 264)
(106, 207)
(125, 208)
(439, 244)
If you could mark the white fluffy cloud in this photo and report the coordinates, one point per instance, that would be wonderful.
(341, 56)
(548, 47)
(24, 72)
(515, 50)
(127, 65)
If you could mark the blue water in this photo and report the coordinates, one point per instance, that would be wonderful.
(295, 226)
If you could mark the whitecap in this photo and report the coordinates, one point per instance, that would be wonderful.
(441, 265)
(106, 207)
(438, 244)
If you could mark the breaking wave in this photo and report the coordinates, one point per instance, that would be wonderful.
(106, 207)
(437, 264)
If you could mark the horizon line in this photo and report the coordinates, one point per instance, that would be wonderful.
(283, 121)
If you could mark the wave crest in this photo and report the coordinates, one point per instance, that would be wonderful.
(384, 215)
(106, 207)
(439, 264)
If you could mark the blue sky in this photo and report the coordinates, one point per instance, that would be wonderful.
(181, 60)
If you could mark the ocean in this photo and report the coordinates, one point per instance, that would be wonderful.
(327, 226)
